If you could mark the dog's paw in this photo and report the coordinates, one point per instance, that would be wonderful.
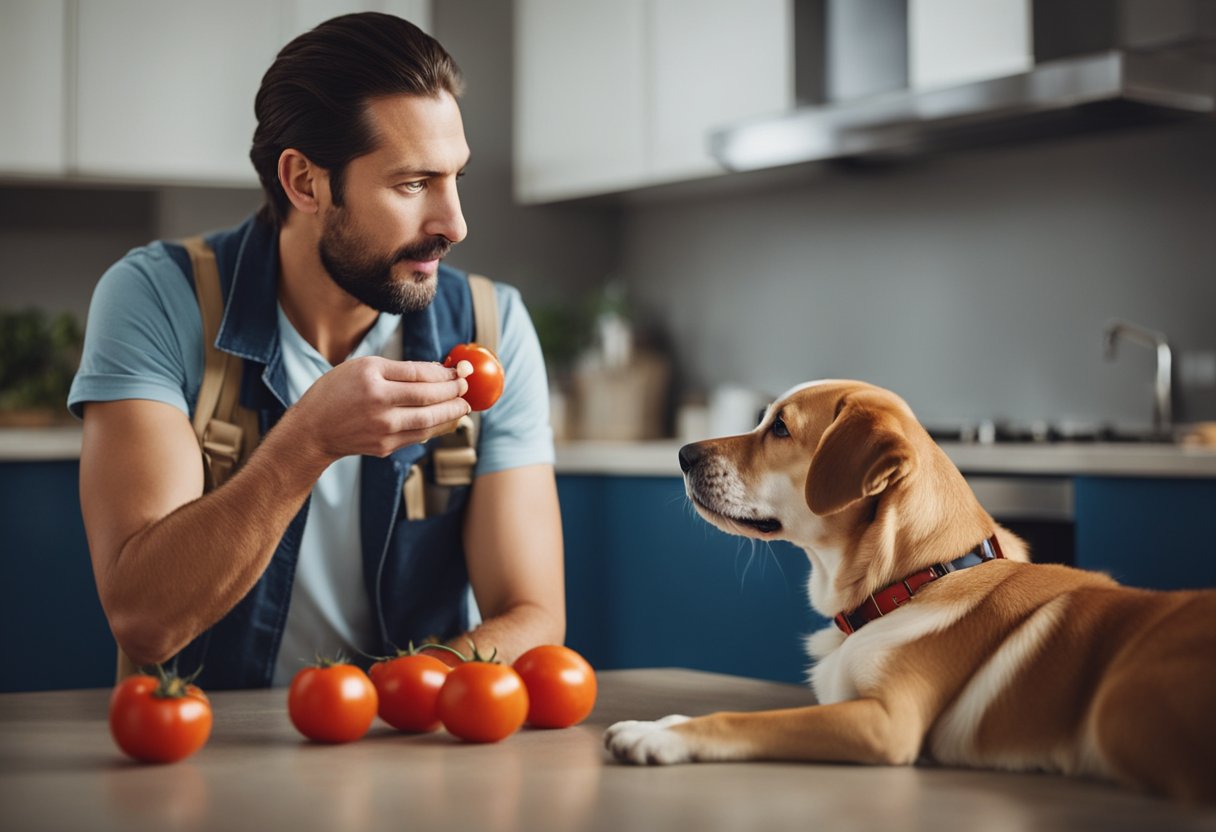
(649, 743)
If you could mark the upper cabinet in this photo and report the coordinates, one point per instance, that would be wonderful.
(33, 68)
(165, 90)
(147, 91)
(610, 97)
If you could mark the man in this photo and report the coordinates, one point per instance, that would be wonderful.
(306, 550)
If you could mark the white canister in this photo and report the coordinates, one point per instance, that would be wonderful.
(734, 409)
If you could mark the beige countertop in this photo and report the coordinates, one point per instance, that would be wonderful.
(59, 770)
(659, 457)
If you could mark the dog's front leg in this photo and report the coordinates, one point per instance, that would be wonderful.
(857, 731)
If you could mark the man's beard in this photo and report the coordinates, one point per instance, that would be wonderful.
(368, 277)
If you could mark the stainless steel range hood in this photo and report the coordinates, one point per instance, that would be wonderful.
(1076, 93)
(1096, 64)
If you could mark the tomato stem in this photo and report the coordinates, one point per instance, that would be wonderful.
(171, 685)
(475, 654)
(431, 645)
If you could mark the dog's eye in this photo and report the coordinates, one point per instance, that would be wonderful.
(778, 428)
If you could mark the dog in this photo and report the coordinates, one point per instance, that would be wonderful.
(947, 644)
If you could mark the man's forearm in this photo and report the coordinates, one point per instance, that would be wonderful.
(178, 576)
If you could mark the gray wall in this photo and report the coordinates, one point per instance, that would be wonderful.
(977, 285)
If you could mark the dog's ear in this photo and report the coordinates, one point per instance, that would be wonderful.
(863, 452)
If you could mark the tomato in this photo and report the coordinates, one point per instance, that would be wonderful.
(561, 686)
(482, 702)
(159, 720)
(407, 687)
(485, 383)
(332, 702)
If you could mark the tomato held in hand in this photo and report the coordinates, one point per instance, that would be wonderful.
(561, 686)
(407, 687)
(486, 380)
(332, 702)
(159, 720)
(482, 702)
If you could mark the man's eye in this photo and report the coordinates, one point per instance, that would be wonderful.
(413, 187)
(779, 429)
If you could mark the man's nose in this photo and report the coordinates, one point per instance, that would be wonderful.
(689, 456)
(446, 219)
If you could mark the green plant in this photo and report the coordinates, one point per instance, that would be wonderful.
(564, 332)
(38, 357)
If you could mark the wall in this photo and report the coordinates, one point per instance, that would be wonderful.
(975, 285)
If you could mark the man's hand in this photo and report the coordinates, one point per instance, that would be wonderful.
(374, 406)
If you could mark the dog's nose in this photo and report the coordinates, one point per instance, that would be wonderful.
(689, 455)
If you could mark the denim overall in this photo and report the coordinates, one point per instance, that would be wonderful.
(413, 570)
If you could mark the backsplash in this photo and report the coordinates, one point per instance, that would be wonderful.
(975, 285)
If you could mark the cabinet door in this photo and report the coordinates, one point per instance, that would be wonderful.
(302, 15)
(650, 584)
(166, 89)
(580, 97)
(33, 60)
(714, 63)
(1152, 533)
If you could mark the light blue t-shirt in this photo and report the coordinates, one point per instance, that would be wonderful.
(144, 341)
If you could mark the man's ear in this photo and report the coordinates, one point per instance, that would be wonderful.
(863, 452)
(300, 179)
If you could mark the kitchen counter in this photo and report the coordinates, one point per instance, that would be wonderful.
(60, 770)
(659, 457)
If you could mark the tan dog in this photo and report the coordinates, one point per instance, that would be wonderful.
(954, 654)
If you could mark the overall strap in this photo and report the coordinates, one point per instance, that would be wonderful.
(485, 312)
(225, 430)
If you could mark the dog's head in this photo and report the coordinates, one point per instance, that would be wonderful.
(844, 470)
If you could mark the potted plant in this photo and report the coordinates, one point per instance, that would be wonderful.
(39, 354)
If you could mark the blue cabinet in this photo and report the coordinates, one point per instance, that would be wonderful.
(650, 584)
(1153, 533)
(55, 635)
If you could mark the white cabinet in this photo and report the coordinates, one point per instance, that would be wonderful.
(613, 96)
(580, 97)
(166, 89)
(33, 89)
(148, 91)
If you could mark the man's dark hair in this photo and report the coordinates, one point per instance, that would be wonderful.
(314, 96)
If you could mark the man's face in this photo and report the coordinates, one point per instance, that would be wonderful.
(401, 212)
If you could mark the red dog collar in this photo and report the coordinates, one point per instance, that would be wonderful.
(899, 593)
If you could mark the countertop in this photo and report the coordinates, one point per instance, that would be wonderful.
(59, 770)
(659, 457)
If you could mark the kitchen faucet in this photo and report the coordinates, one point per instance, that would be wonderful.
(1163, 393)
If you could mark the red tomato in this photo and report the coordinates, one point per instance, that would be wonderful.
(333, 702)
(485, 383)
(159, 720)
(482, 702)
(561, 686)
(407, 687)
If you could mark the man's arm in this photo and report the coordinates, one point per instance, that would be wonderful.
(170, 562)
(513, 544)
